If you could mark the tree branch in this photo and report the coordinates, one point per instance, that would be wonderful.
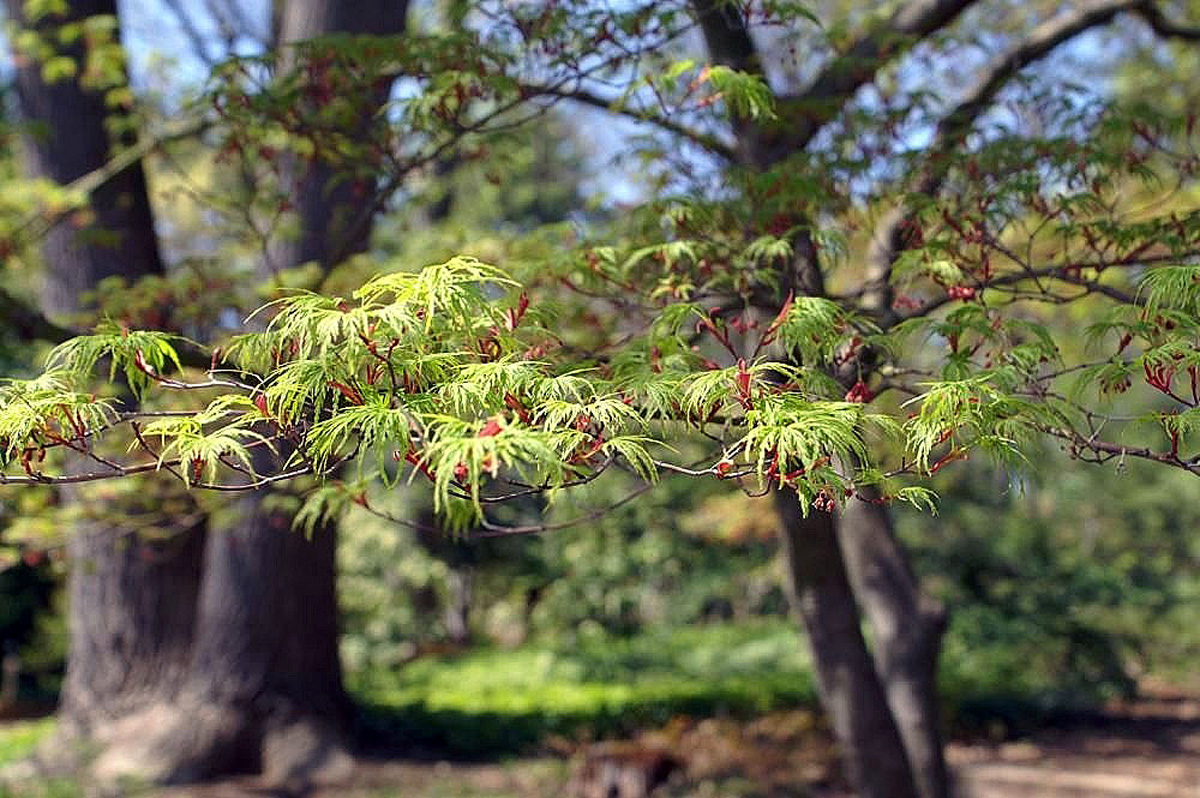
(887, 241)
(1164, 27)
(1103, 451)
(726, 35)
(1063, 273)
(729, 43)
(96, 179)
(840, 79)
(708, 142)
(195, 38)
(1039, 43)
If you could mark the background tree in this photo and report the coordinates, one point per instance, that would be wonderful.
(208, 669)
(132, 600)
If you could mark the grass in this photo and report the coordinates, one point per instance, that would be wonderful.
(490, 702)
(19, 738)
(493, 702)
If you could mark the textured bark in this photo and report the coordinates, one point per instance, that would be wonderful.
(907, 625)
(264, 690)
(906, 630)
(850, 686)
(176, 679)
(67, 139)
(132, 600)
(131, 613)
(850, 690)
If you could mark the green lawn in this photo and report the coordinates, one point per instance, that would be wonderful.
(19, 738)
(493, 701)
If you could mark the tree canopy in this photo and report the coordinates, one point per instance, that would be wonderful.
(899, 363)
(843, 270)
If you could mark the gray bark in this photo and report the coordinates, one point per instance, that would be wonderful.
(178, 679)
(131, 615)
(264, 690)
(66, 139)
(883, 709)
(131, 600)
(906, 631)
(849, 688)
(907, 624)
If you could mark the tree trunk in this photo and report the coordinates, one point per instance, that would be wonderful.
(67, 139)
(852, 686)
(906, 636)
(132, 599)
(849, 687)
(175, 679)
(131, 612)
(264, 690)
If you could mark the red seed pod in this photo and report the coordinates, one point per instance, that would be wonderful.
(859, 393)
(139, 360)
(743, 383)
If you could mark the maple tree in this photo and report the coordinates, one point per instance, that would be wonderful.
(810, 305)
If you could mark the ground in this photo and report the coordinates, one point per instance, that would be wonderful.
(1149, 748)
(1146, 749)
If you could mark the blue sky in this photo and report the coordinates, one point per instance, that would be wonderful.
(164, 61)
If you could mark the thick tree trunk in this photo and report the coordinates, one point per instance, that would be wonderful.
(132, 598)
(67, 139)
(131, 612)
(846, 679)
(264, 690)
(907, 624)
(174, 679)
(906, 630)
(875, 751)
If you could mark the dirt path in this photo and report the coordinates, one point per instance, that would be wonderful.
(1149, 749)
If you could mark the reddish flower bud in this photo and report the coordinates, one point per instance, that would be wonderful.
(859, 393)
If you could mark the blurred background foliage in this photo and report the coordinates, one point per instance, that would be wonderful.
(1066, 588)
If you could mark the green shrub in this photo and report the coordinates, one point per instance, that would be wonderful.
(488, 702)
